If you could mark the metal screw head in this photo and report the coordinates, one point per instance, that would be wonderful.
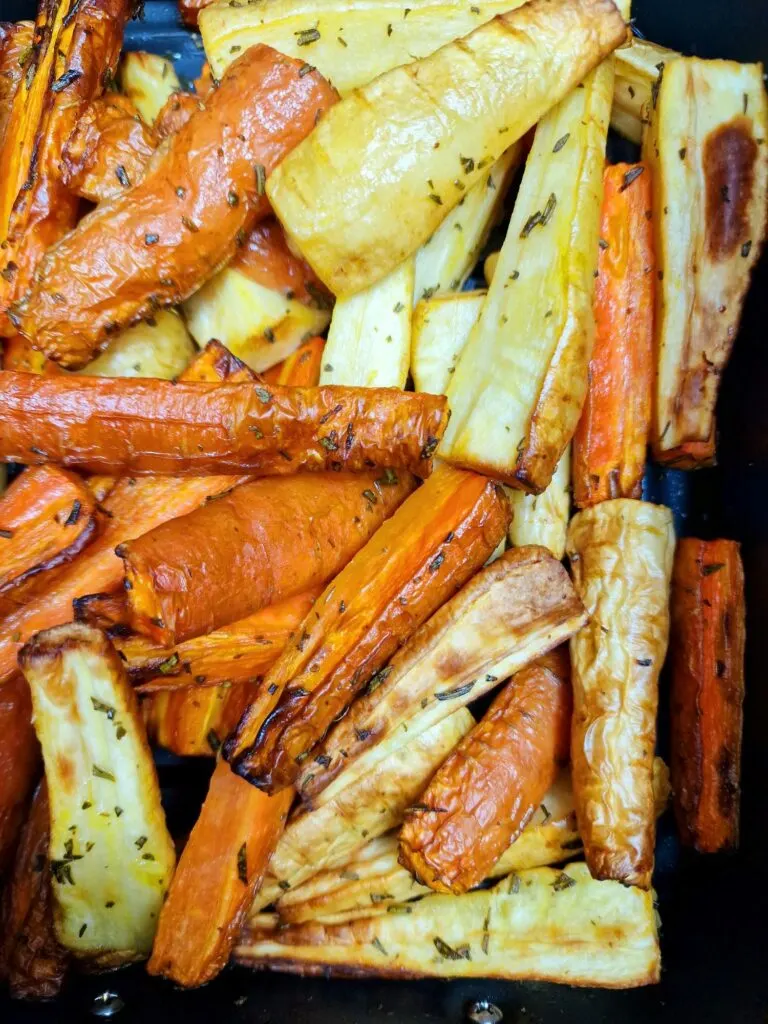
(107, 1004)
(484, 1012)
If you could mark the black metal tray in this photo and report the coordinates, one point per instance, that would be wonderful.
(713, 909)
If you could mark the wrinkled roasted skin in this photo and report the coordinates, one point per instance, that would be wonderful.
(30, 955)
(267, 260)
(511, 612)
(158, 242)
(133, 507)
(157, 426)
(435, 541)
(219, 871)
(87, 49)
(486, 791)
(47, 517)
(706, 149)
(707, 646)
(259, 544)
(108, 150)
(19, 761)
(175, 112)
(15, 42)
(621, 559)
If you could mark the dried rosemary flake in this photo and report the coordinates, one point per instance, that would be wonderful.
(120, 731)
(350, 876)
(122, 176)
(66, 79)
(307, 36)
(329, 443)
(190, 225)
(284, 885)
(370, 496)
(563, 882)
(263, 395)
(389, 479)
(746, 248)
(398, 307)
(436, 562)
(467, 163)
(341, 41)
(232, 198)
(707, 570)
(561, 142)
(107, 709)
(306, 69)
(377, 943)
(380, 897)
(261, 178)
(242, 864)
(632, 174)
(435, 198)
(140, 842)
(449, 953)
(459, 691)
(167, 666)
(549, 209)
(151, 238)
(102, 773)
(213, 741)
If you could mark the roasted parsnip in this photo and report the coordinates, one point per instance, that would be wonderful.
(111, 855)
(707, 691)
(403, 142)
(369, 340)
(518, 389)
(415, 561)
(545, 924)
(637, 72)
(621, 558)
(484, 794)
(441, 327)
(512, 611)
(158, 348)
(543, 518)
(350, 42)
(148, 80)
(706, 148)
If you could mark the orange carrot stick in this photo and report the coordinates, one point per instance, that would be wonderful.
(266, 259)
(707, 691)
(301, 369)
(610, 441)
(193, 722)
(19, 761)
(219, 873)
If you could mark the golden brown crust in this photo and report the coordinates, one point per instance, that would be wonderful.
(621, 560)
(15, 49)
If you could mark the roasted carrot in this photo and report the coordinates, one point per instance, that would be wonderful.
(15, 50)
(19, 355)
(193, 722)
(435, 541)
(132, 508)
(707, 691)
(190, 10)
(258, 544)
(31, 958)
(484, 794)
(238, 652)
(301, 369)
(205, 83)
(612, 436)
(47, 517)
(80, 50)
(266, 259)
(219, 873)
(108, 151)
(19, 761)
(107, 611)
(158, 242)
(157, 426)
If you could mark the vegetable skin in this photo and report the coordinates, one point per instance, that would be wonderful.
(621, 559)
(708, 633)
(19, 762)
(219, 871)
(15, 42)
(111, 871)
(612, 435)
(156, 426)
(415, 561)
(543, 518)
(106, 274)
(485, 792)
(511, 612)
(472, 99)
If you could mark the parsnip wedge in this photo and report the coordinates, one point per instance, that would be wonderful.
(706, 146)
(159, 349)
(513, 611)
(351, 42)
(545, 924)
(259, 325)
(441, 327)
(328, 836)
(637, 73)
(543, 518)
(445, 261)
(521, 381)
(369, 340)
(148, 79)
(111, 855)
(387, 164)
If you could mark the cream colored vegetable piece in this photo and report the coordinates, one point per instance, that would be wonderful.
(111, 855)
(369, 340)
(379, 173)
(159, 349)
(257, 324)
(441, 326)
(543, 518)
(637, 73)
(351, 42)
(706, 147)
(545, 924)
(148, 79)
(620, 554)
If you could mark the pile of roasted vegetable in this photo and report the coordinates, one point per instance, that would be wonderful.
(236, 539)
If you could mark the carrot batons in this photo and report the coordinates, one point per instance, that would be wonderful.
(435, 541)
(484, 794)
(194, 721)
(19, 761)
(611, 438)
(707, 691)
(189, 427)
(217, 877)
